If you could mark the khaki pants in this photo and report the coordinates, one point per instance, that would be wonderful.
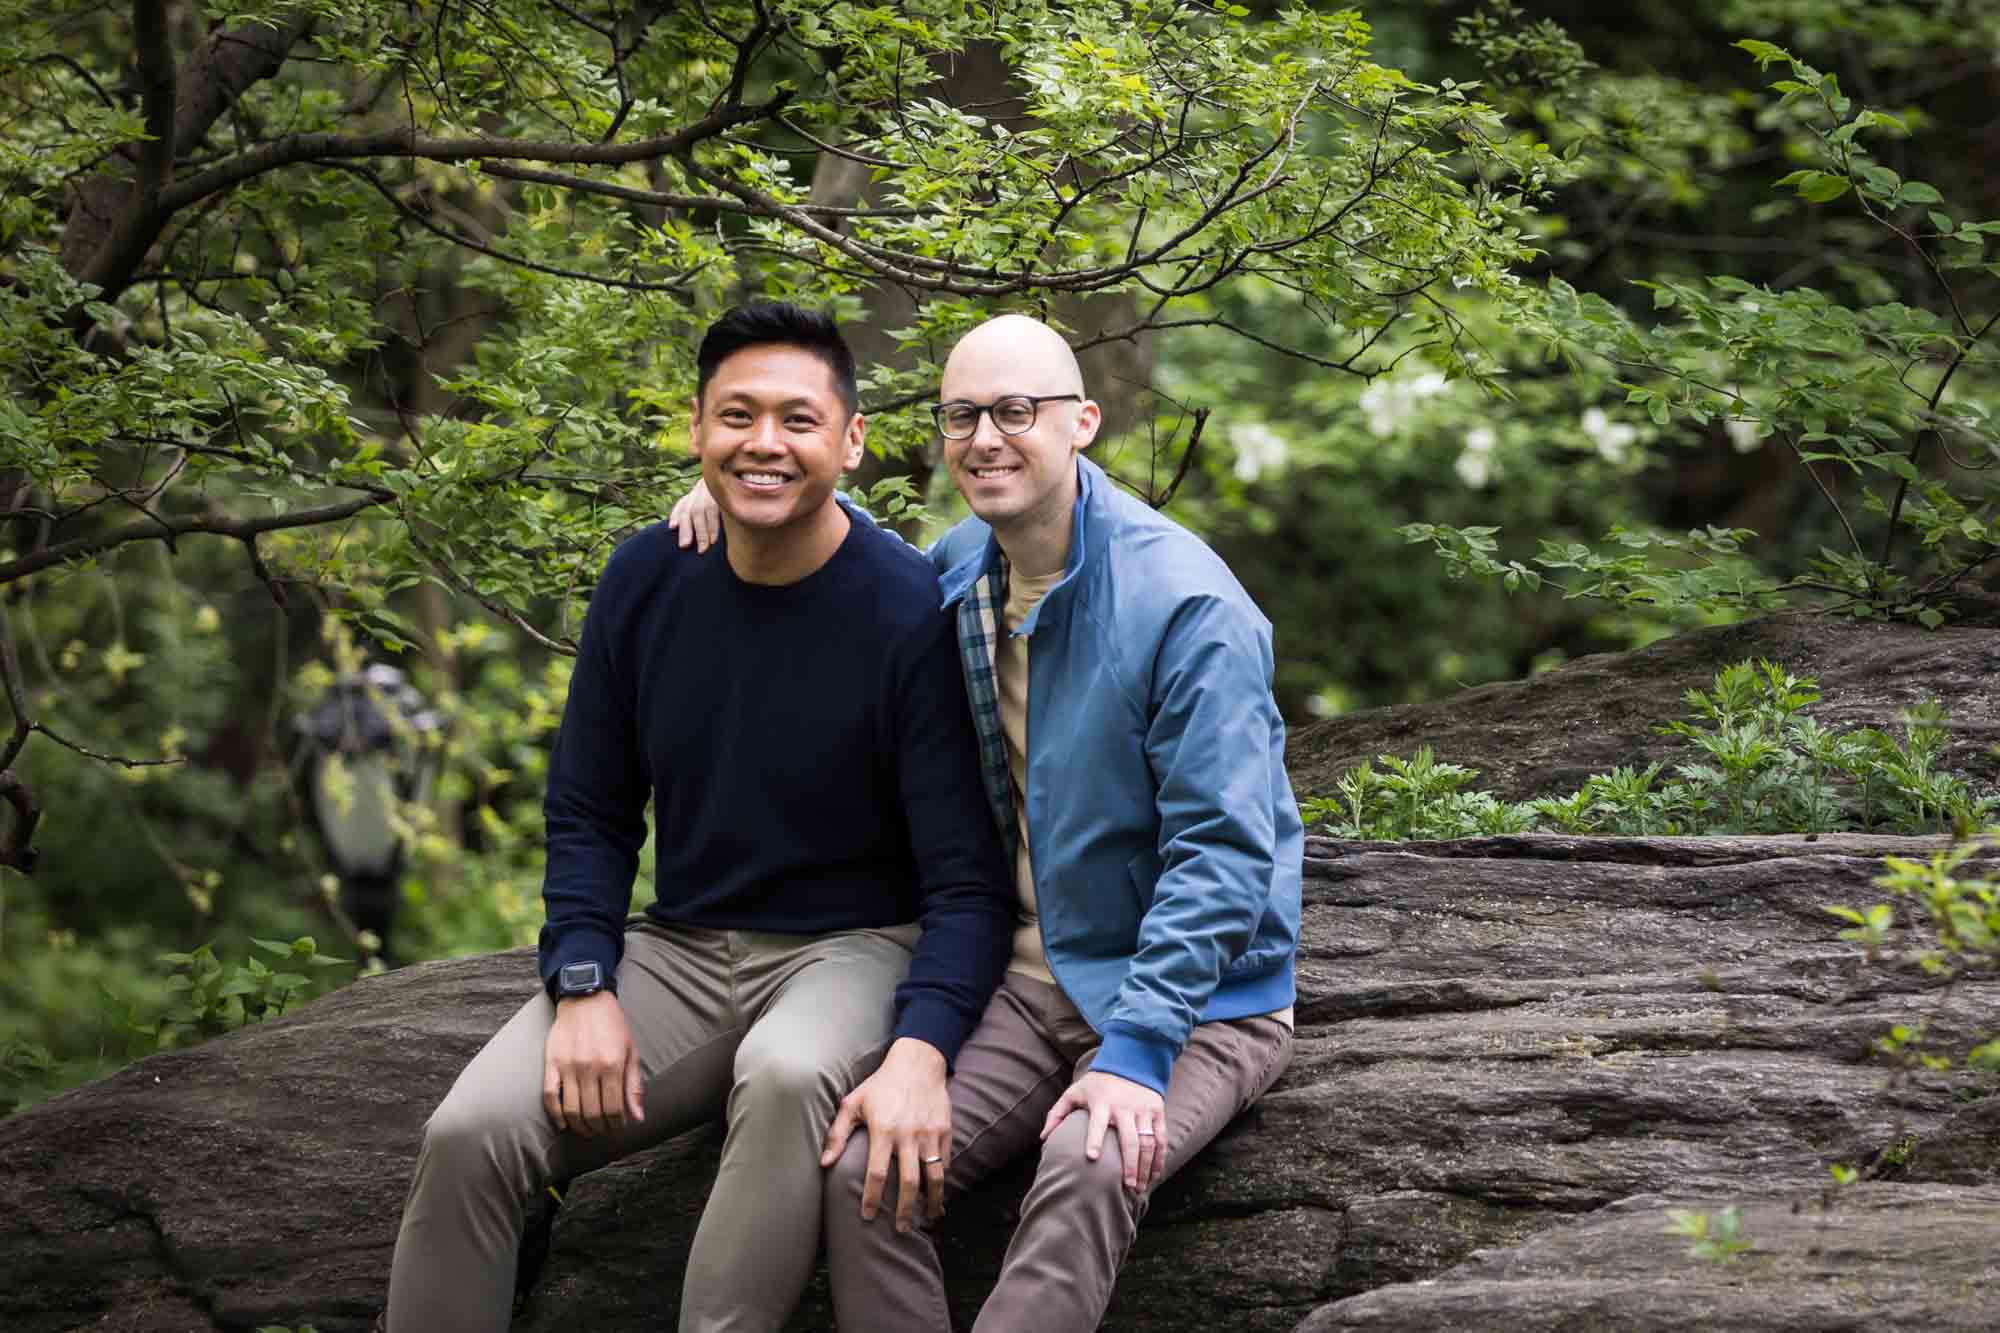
(1078, 1219)
(771, 1030)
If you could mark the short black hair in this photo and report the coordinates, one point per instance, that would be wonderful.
(760, 323)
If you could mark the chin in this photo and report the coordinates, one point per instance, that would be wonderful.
(995, 511)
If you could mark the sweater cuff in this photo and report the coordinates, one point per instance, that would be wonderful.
(1135, 1054)
(582, 946)
(934, 1021)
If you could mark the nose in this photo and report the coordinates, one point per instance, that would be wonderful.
(985, 434)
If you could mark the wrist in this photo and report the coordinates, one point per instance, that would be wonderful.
(596, 999)
(917, 1054)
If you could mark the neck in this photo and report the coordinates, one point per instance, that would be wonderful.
(1037, 543)
(785, 554)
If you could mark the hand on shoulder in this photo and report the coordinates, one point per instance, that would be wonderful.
(696, 518)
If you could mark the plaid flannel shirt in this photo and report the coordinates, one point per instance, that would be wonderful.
(979, 630)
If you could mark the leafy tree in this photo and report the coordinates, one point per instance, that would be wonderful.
(1875, 387)
(391, 296)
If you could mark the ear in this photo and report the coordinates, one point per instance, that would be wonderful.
(856, 441)
(694, 425)
(1089, 418)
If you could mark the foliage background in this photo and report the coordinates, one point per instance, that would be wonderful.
(1565, 295)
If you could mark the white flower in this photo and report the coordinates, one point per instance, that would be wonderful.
(1612, 438)
(1379, 403)
(1480, 440)
(1474, 469)
(1259, 449)
(1744, 435)
(1388, 403)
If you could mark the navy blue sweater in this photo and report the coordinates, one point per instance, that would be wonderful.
(811, 761)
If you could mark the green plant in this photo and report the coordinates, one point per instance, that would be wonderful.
(1417, 797)
(1958, 917)
(1766, 767)
(1715, 1237)
(212, 997)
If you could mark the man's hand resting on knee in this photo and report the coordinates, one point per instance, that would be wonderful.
(1133, 1110)
(907, 1112)
(590, 1069)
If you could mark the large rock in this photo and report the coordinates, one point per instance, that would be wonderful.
(1514, 1055)
(1497, 1038)
(1545, 735)
(1873, 1257)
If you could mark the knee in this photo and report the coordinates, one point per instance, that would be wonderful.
(464, 1136)
(1067, 1171)
(846, 1180)
(770, 1076)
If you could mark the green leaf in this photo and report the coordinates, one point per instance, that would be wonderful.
(1918, 192)
(1819, 187)
(1765, 52)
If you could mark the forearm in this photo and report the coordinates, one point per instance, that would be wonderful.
(594, 814)
(959, 960)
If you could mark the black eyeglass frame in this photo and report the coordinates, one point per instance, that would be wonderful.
(1034, 401)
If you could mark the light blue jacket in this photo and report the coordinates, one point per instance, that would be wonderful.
(1167, 843)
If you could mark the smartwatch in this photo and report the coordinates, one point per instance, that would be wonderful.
(580, 979)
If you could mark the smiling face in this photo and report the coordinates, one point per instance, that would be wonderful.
(773, 435)
(1020, 484)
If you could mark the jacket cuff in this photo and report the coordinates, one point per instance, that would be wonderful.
(936, 1022)
(583, 946)
(1135, 1054)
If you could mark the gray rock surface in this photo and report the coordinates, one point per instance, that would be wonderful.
(1545, 735)
(1872, 1256)
(1498, 1040)
(1514, 1054)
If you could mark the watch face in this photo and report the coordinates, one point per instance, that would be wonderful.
(581, 977)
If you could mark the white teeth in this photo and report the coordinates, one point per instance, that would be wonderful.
(763, 478)
(984, 473)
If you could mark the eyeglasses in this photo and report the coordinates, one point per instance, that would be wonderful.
(1012, 415)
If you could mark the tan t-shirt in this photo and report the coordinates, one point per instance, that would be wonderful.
(1010, 676)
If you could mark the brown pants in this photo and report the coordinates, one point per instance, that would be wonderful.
(1078, 1219)
(769, 1030)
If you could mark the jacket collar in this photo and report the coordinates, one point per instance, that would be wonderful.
(1090, 482)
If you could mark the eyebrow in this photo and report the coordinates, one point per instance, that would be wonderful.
(742, 397)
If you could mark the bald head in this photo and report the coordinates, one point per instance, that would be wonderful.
(1010, 354)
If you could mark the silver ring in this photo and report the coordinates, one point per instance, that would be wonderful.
(1145, 1133)
(929, 1160)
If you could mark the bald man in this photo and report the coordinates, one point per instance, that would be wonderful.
(1120, 681)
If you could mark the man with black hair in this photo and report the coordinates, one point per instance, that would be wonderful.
(796, 714)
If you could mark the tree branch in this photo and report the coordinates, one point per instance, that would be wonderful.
(445, 571)
(298, 148)
(243, 529)
(10, 677)
(691, 202)
(677, 285)
(157, 85)
(17, 850)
